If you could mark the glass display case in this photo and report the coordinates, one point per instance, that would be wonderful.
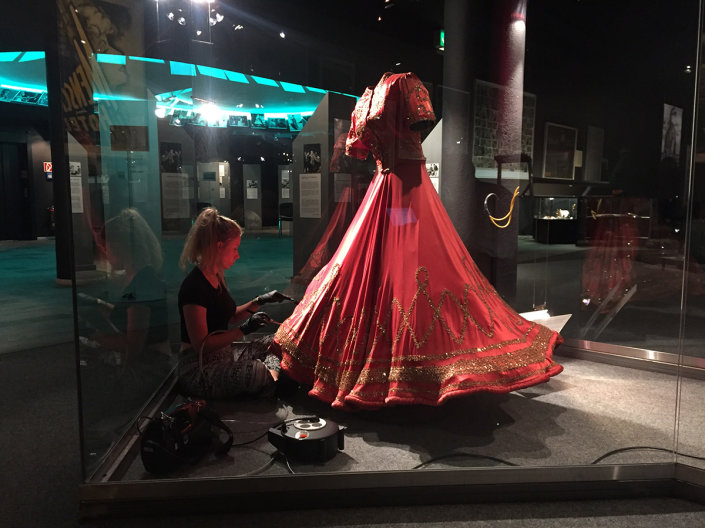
(556, 220)
(145, 152)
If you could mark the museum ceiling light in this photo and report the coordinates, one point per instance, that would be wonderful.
(318, 90)
(146, 59)
(29, 56)
(34, 89)
(264, 81)
(210, 112)
(215, 17)
(182, 68)
(97, 96)
(280, 98)
(291, 87)
(9, 56)
(110, 58)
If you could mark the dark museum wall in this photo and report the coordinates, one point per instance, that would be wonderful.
(28, 128)
(614, 69)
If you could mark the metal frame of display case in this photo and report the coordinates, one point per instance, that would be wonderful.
(422, 487)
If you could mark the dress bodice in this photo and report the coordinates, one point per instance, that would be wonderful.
(387, 119)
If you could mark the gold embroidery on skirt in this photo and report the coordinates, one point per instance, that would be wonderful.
(359, 353)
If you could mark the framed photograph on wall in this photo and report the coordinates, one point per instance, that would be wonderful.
(239, 121)
(258, 121)
(170, 157)
(671, 136)
(559, 144)
(312, 157)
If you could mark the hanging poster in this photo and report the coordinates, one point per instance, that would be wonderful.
(310, 195)
(238, 121)
(296, 122)
(560, 142)
(434, 174)
(175, 202)
(285, 179)
(491, 135)
(277, 122)
(251, 190)
(671, 137)
(258, 121)
(76, 186)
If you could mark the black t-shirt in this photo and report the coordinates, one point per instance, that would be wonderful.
(219, 305)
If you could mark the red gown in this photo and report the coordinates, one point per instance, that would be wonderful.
(609, 261)
(401, 314)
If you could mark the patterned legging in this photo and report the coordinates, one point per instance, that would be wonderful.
(238, 369)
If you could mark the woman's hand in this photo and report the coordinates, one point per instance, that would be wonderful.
(255, 321)
(272, 297)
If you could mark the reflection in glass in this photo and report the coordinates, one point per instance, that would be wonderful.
(123, 327)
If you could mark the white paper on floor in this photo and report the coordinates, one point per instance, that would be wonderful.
(555, 322)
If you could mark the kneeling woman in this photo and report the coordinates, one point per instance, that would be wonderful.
(211, 363)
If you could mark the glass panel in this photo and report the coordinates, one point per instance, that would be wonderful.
(125, 310)
(610, 194)
(560, 172)
(690, 414)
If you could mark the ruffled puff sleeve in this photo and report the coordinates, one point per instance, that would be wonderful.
(418, 111)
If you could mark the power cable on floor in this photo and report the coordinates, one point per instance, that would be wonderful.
(638, 448)
(277, 455)
(244, 444)
(260, 469)
(269, 426)
(463, 455)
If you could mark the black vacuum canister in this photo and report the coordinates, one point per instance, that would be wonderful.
(309, 439)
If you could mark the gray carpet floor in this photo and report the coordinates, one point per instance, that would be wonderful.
(577, 418)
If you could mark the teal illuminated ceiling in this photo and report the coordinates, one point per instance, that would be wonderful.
(23, 76)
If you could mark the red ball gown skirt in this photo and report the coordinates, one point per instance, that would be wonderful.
(402, 315)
